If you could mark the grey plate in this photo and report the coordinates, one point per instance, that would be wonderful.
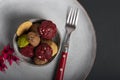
(82, 45)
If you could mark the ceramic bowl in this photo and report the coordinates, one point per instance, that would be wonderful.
(56, 39)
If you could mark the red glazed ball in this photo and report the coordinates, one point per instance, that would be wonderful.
(43, 51)
(27, 51)
(47, 29)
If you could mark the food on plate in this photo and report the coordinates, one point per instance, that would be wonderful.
(43, 51)
(33, 38)
(34, 27)
(22, 41)
(39, 61)
(27, 51)
(53, 45)
(35, 41)
(23, 27)
(47, 29)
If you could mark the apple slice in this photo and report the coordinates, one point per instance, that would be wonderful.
(23, 27)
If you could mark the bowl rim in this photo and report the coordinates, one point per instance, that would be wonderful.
(26, 59)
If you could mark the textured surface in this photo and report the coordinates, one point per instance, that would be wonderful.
(82, 47)
(105, 15)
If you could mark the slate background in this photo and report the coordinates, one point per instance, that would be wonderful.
(105, 15)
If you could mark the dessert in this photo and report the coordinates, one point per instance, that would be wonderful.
(23, 27)
(53, 45)
(47, 29)
(34, 28)
(33, 39)
(43, 51)
(22, 41)
(39, 61)
(27, 51)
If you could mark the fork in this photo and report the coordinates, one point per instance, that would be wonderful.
(70, 26)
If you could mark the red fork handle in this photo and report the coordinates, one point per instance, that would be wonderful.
(61, 67)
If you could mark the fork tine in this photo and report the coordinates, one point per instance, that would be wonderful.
(76, 17)
(72, 16)
(69, 15)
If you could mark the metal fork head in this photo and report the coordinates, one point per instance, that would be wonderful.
(72, 19)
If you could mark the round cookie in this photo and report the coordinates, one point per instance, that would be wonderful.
(43, 51)
(39, 62)
(47, 29)
(27, 51)
(33, 39)
(53, 45)
(34, 27)
(22, 41)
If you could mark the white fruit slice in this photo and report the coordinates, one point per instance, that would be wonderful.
(23, 27)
